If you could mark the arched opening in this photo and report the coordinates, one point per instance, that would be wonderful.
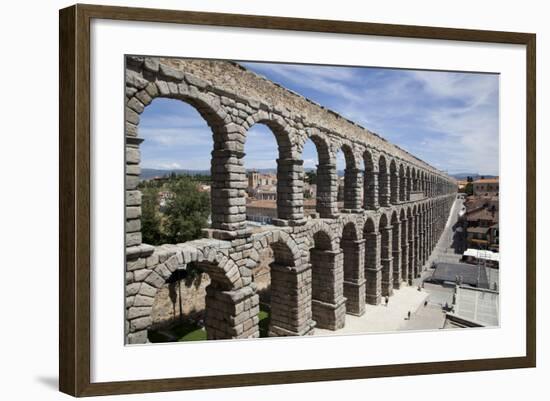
(421, 238)
(183, 299)
(396, 250)
(414, 179)
(175, 177)
(370, 186)
(404, 246)
(311, 160)
(409, 183)
(386, 255)
(426, 236)
(327, 286)
(261, 277)
(321, 178)
(383, 182)
(353, 249)
(394, 183)
(260, 162)
(341, 173)
(416, 242)
(179, 308)
(402, 184)
(372, 263)
(410, 235)
(425, 183)
(352, 191)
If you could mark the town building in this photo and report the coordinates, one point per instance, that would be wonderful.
(486, 186)
(461, 185)
(261, 186)
(480, 222)
(473, 307)
(261, 211)
(257, 179)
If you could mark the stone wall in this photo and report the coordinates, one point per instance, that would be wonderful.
(310, 273)
(180, 300)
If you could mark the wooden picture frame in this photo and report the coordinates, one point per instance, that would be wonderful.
(75, 208)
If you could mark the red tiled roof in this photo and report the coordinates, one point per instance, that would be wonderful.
(486, 181)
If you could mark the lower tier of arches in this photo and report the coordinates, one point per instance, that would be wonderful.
(320, 271)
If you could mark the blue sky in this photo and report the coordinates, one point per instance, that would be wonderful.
(447, 119)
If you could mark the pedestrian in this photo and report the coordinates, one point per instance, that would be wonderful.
(425, 303)
(387, 301)
(409, 315)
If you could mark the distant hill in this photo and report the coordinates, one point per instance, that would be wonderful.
(475, 176)
(148, 173)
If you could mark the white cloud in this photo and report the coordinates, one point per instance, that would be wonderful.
(450, 120)
(328, 80)
(176, 136)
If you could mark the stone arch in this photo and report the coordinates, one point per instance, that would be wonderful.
(353, 181)
(372, 262)
(150, 80)
(290, 169)
(328, 245)
(414, 179)
(290, 313)
(416, 239)
(409, 183)
(402, 184)
(285, 249)
(395, 223)
(411, 250)
(322, 232)
(327, 285)
(349, 223)
(422, 235)
(226, 290)
(383, 181)
(370, 187)
(404, 245)
(143, 85)
(423, 183)
(281, 130)
(385, 230)
(327, 177)
(394, 183)
(353, 249)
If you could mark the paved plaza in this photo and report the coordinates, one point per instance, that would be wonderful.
(426, 305)
(381, 318)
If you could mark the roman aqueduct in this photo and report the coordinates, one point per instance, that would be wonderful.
(325, 266)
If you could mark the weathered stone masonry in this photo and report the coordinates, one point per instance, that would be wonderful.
(395, 207)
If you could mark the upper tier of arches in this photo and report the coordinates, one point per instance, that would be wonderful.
(377, 173)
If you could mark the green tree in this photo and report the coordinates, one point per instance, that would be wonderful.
(311, 177)
(150, 218)
(186, 212)
(469, 188)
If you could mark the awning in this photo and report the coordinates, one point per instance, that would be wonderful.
(483, 254)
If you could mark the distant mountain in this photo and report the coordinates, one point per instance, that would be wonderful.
(475, 176)
(264, 170)
(148, 173)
